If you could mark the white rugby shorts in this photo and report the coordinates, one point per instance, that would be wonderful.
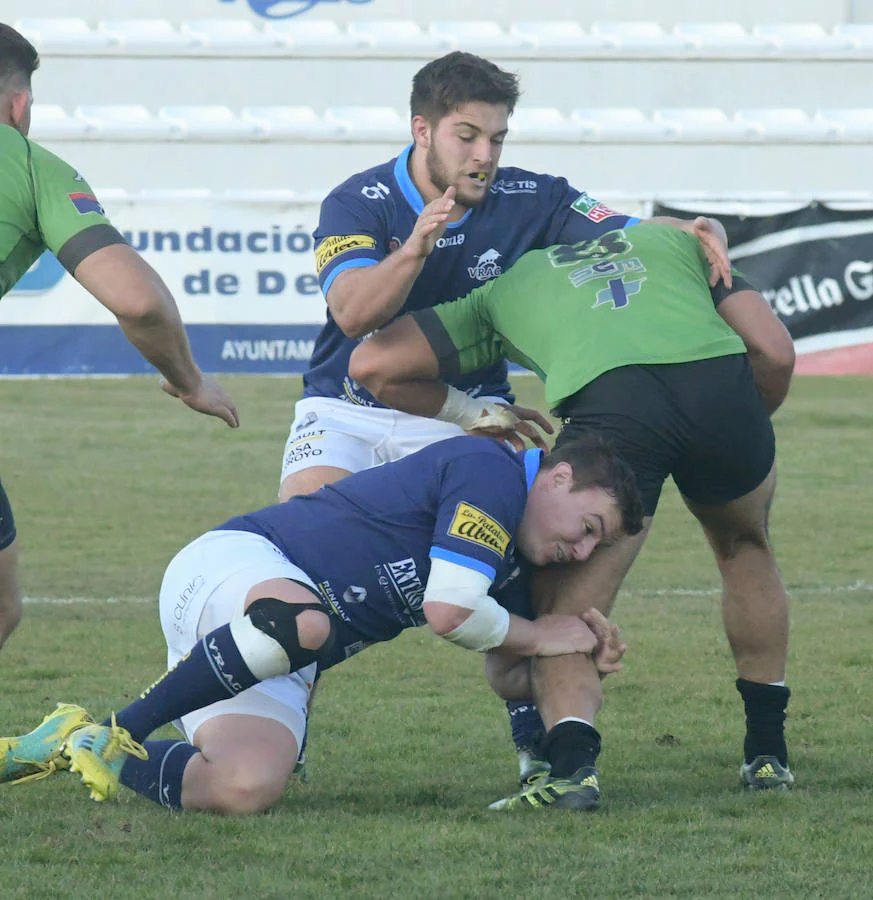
(205, 586)
(330, 432)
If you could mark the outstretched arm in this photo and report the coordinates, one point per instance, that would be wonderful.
(398, 366)
(147, 313)
(459, 609)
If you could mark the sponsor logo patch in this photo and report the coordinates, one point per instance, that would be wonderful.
(505, 186)
(332, 247)
(86, 203)
(592, 209)
(471, 524)
(486, 266)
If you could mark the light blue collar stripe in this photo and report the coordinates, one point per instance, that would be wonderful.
(410, 191)
(468, 562)
(533, 459)
(407, 188)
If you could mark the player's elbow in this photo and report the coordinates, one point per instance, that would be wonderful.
(352, 326)
(777, 353)
(444, 618)
(369, 366)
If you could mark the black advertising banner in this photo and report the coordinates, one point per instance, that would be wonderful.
(814, 265)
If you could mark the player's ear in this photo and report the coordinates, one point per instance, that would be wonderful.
(562, 475)
(421, 131)
(20, 108)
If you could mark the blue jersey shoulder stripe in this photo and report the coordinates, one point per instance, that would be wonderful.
(460, 560)
(358, 263)
(632, 220)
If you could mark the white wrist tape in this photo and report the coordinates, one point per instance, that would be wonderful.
(471, 413)
(488, 623)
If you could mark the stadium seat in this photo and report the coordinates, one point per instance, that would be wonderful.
(231, 36)
(50, 122)
(799, 39)
(398, 37)
(779, 124)
(65, 35)
(147, 35)
(210, 123)
(698, 124)
(847, 124)
(291, 123)
(719, 39)
(543, 123)
(127, 122)
(624, 124)
(640, 39)
(316, 37)
(368, 123)
(859, 36)
(559, 38)
(478, 36)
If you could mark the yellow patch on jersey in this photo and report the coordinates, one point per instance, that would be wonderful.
(336, 245)
(471, 524)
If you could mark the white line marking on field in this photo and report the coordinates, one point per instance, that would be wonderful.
(815, 589)
(69, 601)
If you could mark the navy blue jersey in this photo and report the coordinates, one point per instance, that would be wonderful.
(367, 540)
(373, 213)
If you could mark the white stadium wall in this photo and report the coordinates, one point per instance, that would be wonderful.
(200, 118)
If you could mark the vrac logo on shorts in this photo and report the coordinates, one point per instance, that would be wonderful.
(486, 266)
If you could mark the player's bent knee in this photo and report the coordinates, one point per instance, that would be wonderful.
(282, 622)
(247, 790)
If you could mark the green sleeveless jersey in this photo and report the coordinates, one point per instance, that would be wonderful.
(572, 312)
(44, 203)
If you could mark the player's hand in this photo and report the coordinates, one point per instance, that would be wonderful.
(210, 398)
(610, 647)
(713, 239)
(559, 635)
(511, 423)
(430, 225)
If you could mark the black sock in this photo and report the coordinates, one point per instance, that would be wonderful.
(765, 719)
(569, 746)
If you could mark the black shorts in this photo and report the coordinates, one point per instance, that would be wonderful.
(702, 422)
(7, 522)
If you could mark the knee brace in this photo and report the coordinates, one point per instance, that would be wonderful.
(278, 620)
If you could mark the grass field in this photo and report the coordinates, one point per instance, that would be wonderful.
(109, 478)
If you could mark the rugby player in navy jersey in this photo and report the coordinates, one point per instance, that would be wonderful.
(426, 227)
(252, 608)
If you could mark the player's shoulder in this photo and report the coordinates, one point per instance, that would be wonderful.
(13, 142)
(374, 183)
(486, 451)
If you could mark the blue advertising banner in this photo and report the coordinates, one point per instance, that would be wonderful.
(103, 349)
(242, 273)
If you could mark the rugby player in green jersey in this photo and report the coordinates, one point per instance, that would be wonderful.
(46, 204)
(630, 339)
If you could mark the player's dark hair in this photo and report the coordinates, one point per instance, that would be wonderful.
(596, 464)
(18, 58)
(457, 78)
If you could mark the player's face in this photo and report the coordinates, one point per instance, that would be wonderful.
(464, 149)
(561, 525)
